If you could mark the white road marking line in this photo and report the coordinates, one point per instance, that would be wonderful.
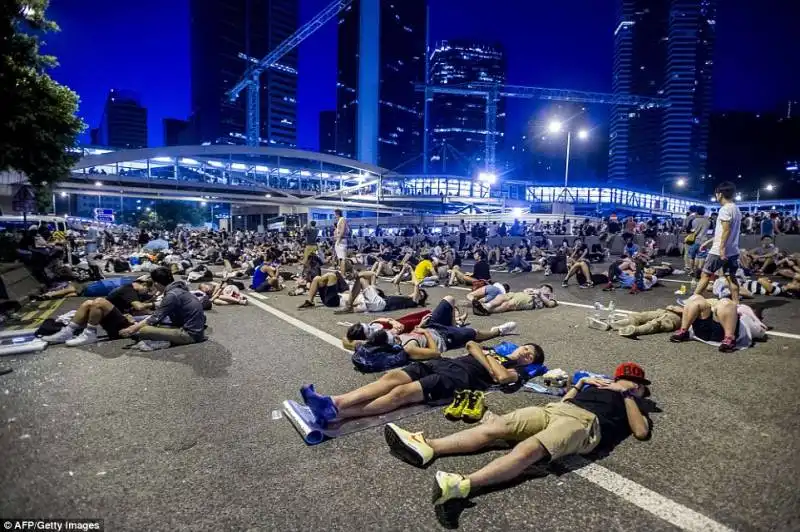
(322, 335)
(673, 512)
(646, 499)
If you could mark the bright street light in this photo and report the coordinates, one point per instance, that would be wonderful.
(147, 209)
(487, 177)
(203, 203)
(680, 182)
(554, 126)
(63, 194)
(583, 134)
(738, 197)
(517, 212)
(770, 187)
(98, 184)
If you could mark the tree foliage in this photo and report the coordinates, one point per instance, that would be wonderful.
(37, 115)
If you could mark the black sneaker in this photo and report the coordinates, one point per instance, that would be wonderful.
(564, 284)
(306, 304)
(478, 309)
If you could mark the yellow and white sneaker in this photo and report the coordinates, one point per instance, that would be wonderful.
(408, 446)
(449, 486)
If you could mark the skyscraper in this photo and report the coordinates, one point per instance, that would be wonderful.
(458, 123)
(327, 132)
(124, 121)
(222, 34)
(381, 57)
(175, 131)
(662, 48)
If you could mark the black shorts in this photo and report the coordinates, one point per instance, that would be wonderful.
(439, 379)
(441, 321)
(398, 303)
(114, 322)
(710, 330)
(329, 296)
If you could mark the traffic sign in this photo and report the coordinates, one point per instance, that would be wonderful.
(105, 218)
(24, 200)
(105, 212)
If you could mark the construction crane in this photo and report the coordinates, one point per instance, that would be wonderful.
(494, 91)
(251, 77)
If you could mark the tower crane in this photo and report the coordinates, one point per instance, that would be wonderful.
(252, 76)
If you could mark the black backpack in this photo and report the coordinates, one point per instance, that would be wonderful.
(375, 358)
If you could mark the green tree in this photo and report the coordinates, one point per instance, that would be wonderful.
(37, 115)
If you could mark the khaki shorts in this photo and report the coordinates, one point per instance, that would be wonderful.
(310, 250)
(521, 301)
(562, 428)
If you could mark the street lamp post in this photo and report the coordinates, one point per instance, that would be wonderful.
(556, 126)
(769, 188)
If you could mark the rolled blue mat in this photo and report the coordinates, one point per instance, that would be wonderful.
(303, 420)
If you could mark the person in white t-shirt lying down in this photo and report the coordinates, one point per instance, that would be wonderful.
(724, 324)
(528, 299)
(487, 293)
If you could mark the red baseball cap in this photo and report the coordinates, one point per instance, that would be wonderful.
(631, 371)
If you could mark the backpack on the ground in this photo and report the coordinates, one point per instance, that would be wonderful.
(375, 358)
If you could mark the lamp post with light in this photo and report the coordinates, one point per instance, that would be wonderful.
(556, 126)
(769, 188)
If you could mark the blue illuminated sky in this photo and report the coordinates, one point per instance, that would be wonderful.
(144, 46)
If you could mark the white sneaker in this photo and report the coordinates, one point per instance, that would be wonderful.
(506, 328)
(470, 297)
(61, 336)
(597, 323)
(152, 345)
(87, 337)
(516, 270)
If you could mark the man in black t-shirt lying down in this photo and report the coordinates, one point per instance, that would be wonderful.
(432, 381)
(593, 410)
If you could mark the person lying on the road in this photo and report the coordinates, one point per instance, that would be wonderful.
(364, 296)
(358, 333)
(328, 286)
(183, 309)
(99, 288)
(764, 286)
(594, 411)
(635, 324)
(487, 293)
(224, 293)
(439, 333)
(112, 313)
(528, 299)
(725, 324)
(433, 382)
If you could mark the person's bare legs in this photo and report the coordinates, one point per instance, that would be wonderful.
(321, 280)
(696, 306)
(733, 284)
(482, 336)
(404, 394)
(572, 271)
(586, 272)
(496, 302)
(373, 390)
(81, 316)
(99, 309)
(702, 284)
(480, 293)
(727, 316)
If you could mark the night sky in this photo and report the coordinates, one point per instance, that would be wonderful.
(144, 46)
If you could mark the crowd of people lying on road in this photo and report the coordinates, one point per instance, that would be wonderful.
(370, 276)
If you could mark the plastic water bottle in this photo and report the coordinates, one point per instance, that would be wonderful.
(693, 284)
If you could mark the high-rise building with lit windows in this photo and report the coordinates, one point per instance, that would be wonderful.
(381, 56)
(124, 121)
(223, 34)
(458, 123)
(662, 48)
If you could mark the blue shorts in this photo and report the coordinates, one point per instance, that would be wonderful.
(693, 250)
(728, 266)
(491, 292)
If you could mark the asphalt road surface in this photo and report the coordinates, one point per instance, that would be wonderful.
(184, 439)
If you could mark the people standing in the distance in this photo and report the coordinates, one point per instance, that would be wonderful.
(341, 234)
(724, 252)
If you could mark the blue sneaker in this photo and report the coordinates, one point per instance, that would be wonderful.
(321, 405)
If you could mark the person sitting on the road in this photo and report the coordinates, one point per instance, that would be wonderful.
(184, 310)
(328, 286)
(721, 324)
(480, 272)
(440, 333)
(595, 411)
(635, 324)
(518, 262)
(110, 312)
(433, 382)
(424, 273)
(761, 259)
(528, 299)
(266, 278)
